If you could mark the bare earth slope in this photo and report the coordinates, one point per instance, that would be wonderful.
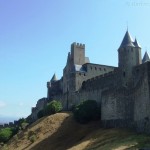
(61, 132)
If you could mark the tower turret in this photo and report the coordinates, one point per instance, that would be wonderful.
(129, 54)
(54, 78)
(146, 57)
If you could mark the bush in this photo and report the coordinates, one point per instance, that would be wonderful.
(53, 107)
(87, 111)
(5, 134)
(24, 125)
(33, 138)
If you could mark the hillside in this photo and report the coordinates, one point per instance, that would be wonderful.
(61, 132)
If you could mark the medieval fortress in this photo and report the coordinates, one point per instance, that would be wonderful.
(122, 92)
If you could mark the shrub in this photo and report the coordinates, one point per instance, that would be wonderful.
(53, 107)
(5, 134)
(86, 111)
(24, 125)
(32, 138)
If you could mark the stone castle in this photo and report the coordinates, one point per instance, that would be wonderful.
(122, 92)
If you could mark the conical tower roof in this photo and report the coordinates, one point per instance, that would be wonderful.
(136, 44)
(146, 57)
(54, 78)
(127, 40)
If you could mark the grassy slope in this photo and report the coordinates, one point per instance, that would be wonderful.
(61, 132)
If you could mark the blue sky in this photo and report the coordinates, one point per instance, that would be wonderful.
(35, 37)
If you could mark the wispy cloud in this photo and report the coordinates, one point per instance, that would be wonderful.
(2, 104)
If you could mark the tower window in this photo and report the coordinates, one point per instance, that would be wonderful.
(104, 69)
(91, 68)
(95, 68)
(124, 74)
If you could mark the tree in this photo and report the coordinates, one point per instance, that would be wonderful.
(86, 111)
(53, 107)
(5, 134)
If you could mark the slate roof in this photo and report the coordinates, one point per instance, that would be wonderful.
(54, 78)
(145, 58)
(127, 41)
(136, 44)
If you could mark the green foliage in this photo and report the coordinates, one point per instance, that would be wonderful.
(86, 111)
(53, 107)
(33, 138)
(5, 134)
(40, 113)
(24, 125)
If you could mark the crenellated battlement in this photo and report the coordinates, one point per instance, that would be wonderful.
(78, 45)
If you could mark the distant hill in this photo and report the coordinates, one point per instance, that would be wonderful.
(61, 132)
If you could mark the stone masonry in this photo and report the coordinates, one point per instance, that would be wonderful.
(122, 92)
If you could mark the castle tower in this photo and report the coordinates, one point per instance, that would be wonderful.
(78, 53)
(75, 57)
(129, 54)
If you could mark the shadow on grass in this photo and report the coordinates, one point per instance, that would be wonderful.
(68, 135)
(119, 139)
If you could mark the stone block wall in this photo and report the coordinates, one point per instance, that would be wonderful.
(41, 103)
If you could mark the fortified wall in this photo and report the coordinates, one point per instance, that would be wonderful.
(41, 103)
(123, 92)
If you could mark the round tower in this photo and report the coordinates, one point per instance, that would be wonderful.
(129, 54)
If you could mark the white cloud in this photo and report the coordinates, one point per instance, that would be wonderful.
(2, 104)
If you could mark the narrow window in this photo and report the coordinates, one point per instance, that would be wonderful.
(124, 74)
